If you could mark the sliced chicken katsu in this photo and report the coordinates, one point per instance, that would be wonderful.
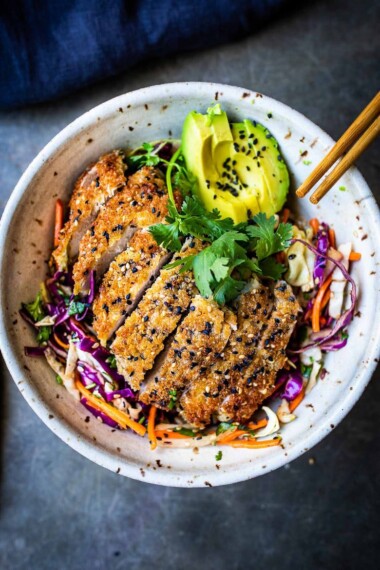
(141, 203)
(139, 341)
(201, 336)
(256, 352)
(123, 285)
(91, 191)
(258, 381)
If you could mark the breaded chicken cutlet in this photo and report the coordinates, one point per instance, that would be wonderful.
(141, 203)
(94, 187)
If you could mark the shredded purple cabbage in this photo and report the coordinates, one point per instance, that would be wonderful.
(98, 414)
(322, 248)
(293, 384)
(346, 317)
(34, 350)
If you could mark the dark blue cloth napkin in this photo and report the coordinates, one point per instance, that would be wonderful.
(49, 48)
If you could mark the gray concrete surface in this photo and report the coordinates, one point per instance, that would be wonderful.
(59, 511)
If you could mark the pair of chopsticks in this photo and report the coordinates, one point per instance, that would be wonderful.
(355, 140)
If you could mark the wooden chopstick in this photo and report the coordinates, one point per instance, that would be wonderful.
(366, 120)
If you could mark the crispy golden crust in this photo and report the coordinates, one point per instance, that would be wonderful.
(203, 332)
(123, 284)
(257, 382)
(142, 336)
(92, 189)
(200, 401)
(141, 203)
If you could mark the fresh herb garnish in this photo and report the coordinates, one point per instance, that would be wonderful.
(35, 308)
(43, 334)
(111, 361)
(268, 239)
(219, 455)
(173, 399)
(76, 307)
(221, 270)
(224, 426)
(37, 312)
(58, 379)
(306, 370)
(186, 431)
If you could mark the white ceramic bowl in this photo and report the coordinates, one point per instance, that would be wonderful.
(26, 240)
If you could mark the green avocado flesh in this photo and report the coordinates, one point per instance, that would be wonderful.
(238, 166)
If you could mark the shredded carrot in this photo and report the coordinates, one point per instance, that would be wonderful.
(280, 257)
(124, 420)
(325, 299)
(315, 318)
(314, 223)
(285, 215)
(332, 238)
(308, 314)
(231, 435)
(322, 321)
(355, 256)
(253, 443)
(166, 434)
(58, 341)
(257, 425)
(151, 430)
(58, 221)
(296, 402)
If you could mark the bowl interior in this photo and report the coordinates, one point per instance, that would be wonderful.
(26, 235)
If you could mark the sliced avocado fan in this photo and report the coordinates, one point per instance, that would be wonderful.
(238, 166)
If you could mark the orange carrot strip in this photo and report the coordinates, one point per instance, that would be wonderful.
(285, 215)
(332, 238)
(58, 341)
(314, 223)
(116, 415)
(315, 324)
(355, 256)
(308, 314)
(151, 424)
(253, 443)
(257, 425)
(325, 299)
(230, 436)
(165, 434)
(296, 402)
(58, 225)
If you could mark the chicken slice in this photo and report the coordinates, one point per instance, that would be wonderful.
(123, 285)
(91, 191)
(139, 341)
(202, 334)
(141, 203)
(200, 400)
(257, 381)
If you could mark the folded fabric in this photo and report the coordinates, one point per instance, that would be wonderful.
(49, 48)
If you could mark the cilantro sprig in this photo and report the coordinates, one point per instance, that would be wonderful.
(234, 251)
(36, 311)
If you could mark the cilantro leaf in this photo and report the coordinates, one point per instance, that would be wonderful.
(35, 308)
(271, 269)
(173, 399)
(111, 360)
(228, 290)
(219, 455)
(167, 235)
(76, 307)
(268, 240)
(43, 334)
(223, 427)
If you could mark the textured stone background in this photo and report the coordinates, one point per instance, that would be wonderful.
(58, 510)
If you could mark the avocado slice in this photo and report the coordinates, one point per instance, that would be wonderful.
(239, 168)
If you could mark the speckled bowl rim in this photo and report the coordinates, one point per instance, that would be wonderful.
(59, 426)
